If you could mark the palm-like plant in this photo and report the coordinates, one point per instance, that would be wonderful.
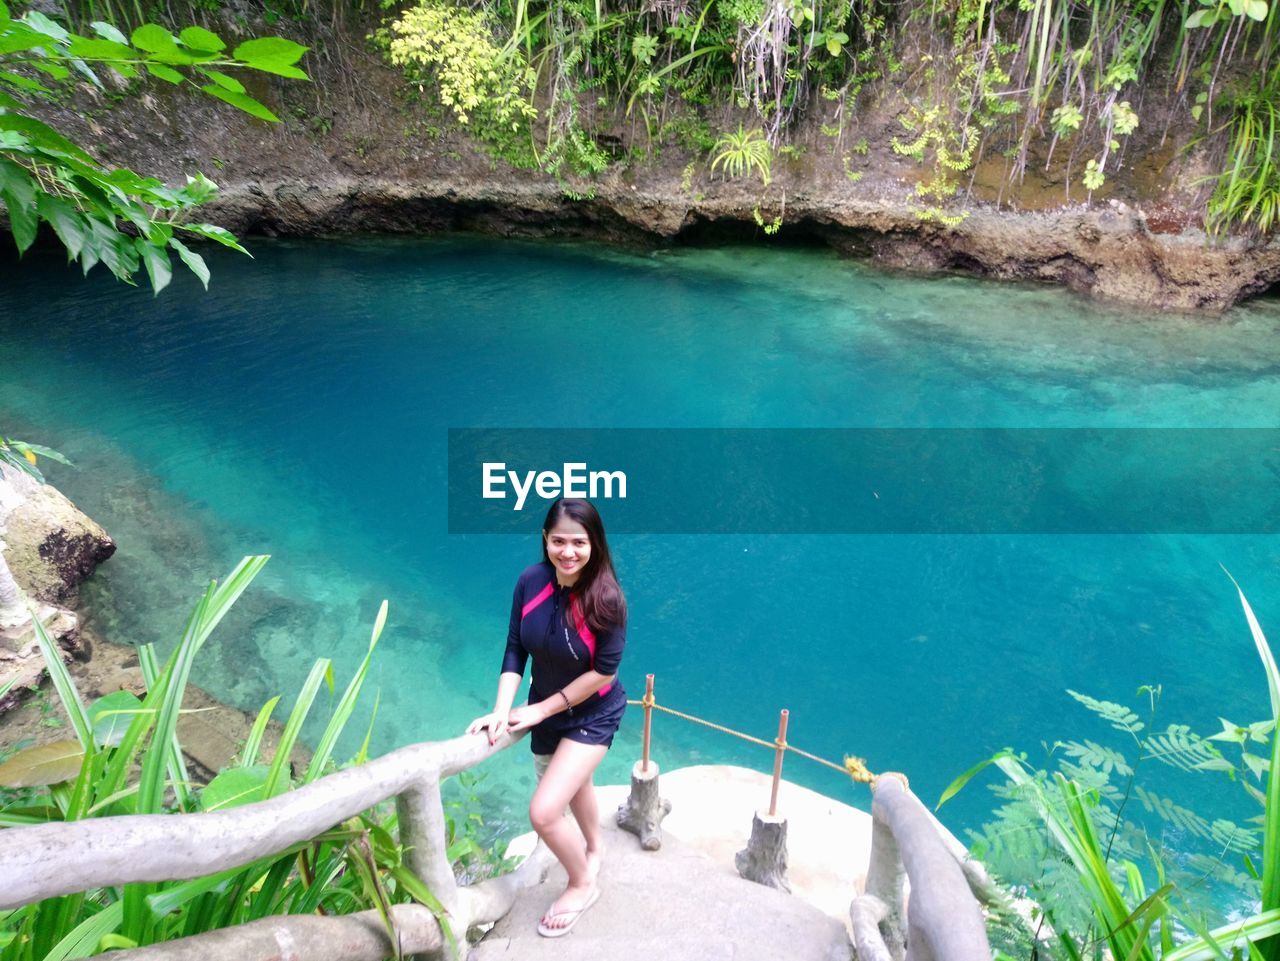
(739, 154)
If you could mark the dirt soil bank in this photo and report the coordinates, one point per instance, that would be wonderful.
(360, 150)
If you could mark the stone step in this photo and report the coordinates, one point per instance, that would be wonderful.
(669, 905)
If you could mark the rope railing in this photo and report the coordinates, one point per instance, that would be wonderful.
(855, 767)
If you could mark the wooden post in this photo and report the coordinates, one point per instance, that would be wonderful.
(764, 859)
(648, 719)
(777, 761)
(643, 810)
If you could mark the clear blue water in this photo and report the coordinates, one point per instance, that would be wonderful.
(300, 408)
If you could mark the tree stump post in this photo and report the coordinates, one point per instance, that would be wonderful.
(764, 859)
(643, 810)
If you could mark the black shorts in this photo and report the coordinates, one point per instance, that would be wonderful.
(597, 727)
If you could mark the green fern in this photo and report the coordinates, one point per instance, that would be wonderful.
(1232, 837)
(1093, 755)
(1179, 747)
(1117, 715)
(1175, 814)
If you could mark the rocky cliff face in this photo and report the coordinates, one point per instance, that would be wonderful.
(359, 151)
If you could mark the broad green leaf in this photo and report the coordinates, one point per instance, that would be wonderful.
(41, 24)
(19, 194)
(164, 73)
(111, 716)
(108, 32)
(1255, 9)
(199, 189)
(23, 83)
(266, 52)
(198, 38)
(223, 80)
(241, 102)
(283, 70)
(86, 48)
(65, 221)
(54, 70)
(154, 39)
(195, 263)
(213, 232)
(18, 37)
(14, 141)
(41, 765)
(1230, 732)
(44, 137)
(4, 12)
(234, 787)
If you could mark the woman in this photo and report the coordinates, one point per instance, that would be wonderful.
(569, 613)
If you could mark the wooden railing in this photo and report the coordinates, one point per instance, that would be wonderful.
(944, 922)
(48, 860)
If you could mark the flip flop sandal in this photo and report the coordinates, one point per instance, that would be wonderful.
(561, 931)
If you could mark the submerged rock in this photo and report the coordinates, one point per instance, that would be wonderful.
(51, 546)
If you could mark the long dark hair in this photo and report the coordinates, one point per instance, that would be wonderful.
(597, 586)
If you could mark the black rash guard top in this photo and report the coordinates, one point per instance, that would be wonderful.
(548, 623)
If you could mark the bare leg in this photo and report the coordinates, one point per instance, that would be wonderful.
(569, 772)
(587, 813)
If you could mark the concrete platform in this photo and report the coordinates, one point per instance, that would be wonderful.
(686, 902)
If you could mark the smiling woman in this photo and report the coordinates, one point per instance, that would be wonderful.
(569, 613)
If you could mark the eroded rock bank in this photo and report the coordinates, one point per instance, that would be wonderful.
(1111, 251)
(360, 150)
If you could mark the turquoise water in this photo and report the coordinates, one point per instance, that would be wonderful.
(300, 408)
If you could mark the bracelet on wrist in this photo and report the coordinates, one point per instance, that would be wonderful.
(567, 705)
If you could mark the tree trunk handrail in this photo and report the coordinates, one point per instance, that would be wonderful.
(945, 921)
(48, 860)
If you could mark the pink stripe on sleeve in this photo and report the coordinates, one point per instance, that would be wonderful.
(588, 636)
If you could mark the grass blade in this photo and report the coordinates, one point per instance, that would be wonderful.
(253, 744)
(278, 777)
(82, 941)
(176, 763)
(65, 687)
(342, 713)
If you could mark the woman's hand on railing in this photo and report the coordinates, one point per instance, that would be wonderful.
(494, 723)
(527, 716)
